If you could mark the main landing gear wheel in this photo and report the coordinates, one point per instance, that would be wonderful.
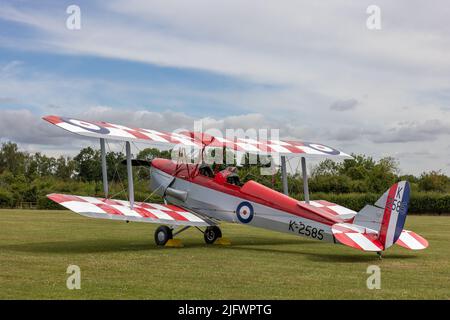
(211, 234)
(162, 235)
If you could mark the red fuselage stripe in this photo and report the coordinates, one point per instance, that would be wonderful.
(387, 214)
(263, 196)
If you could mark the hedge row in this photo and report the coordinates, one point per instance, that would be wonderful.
(420, 202)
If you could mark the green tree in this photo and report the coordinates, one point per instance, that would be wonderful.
(88, 165)
(64, 168)
(117, 171)
(45, 165)
(152, 153)
(358, 167)
(143, 173)
(434, 181)
(326, 167)
(11, 159)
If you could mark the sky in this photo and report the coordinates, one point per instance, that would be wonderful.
(312, 69)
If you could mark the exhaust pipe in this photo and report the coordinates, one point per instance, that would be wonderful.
(177, 194)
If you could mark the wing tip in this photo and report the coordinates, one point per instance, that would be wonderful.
(52, 119)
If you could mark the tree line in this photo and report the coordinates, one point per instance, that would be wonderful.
(28, 177)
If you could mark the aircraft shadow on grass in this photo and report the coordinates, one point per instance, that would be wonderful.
(327, 257)
(255, 244)
(118, 245)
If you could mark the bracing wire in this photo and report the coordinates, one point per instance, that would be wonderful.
(116, 172)
(159, 187)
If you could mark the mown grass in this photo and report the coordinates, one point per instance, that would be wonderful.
(120, 261)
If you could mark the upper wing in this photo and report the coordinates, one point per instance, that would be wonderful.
(121, 210)
(100, 129)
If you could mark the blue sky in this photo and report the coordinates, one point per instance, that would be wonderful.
(312, 70)
(129, 74)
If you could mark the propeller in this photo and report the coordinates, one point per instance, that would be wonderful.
(138, 163)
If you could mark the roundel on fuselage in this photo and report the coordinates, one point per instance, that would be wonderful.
(244, 212)
(86, 125)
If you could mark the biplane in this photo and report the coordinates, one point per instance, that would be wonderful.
(197, 196)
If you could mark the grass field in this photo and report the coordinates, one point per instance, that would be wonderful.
(120, 261)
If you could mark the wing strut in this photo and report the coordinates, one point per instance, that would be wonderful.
(104, 169)
(284, 175)
(130, 175)
(305, 180)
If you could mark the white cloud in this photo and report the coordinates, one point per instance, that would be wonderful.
(344, 105)
(315, 55)
(25, 127)
(428, 130)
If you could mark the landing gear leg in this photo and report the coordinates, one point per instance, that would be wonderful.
(379, 255)
(211, 234)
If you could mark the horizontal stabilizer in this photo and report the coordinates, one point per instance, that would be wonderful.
(328, 210)
(412, 241)
(120, 210)
(357, 237)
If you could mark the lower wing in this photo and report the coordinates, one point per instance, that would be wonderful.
(121, 210)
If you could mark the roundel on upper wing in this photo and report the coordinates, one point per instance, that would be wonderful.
(322, 148)
(244, 212)
(86, 125)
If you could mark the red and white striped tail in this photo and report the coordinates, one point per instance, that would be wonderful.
(376, 228)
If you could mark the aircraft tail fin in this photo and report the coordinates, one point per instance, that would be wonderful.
(378, 227)
(395, 208)
(388, 215)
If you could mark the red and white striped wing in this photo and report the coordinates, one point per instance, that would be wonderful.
(411, 240)
(100, 129)
(121, 210)
(357, 237)
(328, 209)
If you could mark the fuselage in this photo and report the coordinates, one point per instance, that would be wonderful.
(252, 204)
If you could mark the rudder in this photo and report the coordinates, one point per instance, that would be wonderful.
(394, 203)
